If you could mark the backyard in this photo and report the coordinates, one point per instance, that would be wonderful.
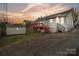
(40, 44)
(10, 39)
(39, 29)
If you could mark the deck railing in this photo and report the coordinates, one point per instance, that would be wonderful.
(60, 27)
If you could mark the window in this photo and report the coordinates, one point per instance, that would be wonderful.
(57, 19)
(62, 20)
(51, 20)
(17, 28)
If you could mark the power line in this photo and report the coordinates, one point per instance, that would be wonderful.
(5, 10)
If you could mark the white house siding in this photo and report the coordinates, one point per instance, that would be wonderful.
(60, 21)
(15, 30)
(52, 25)
(69, 22)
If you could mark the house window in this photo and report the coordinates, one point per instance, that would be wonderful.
(51, 20)
(62, 20)
(17, 28)
(57, 19)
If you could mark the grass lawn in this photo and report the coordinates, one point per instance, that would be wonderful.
(13, 38)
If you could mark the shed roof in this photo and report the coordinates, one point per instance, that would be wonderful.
(15, 25)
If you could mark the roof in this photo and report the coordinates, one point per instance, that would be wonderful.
(15, 25)
(58, 13)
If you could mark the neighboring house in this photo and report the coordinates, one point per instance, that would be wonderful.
(60, 21)
(13, 29)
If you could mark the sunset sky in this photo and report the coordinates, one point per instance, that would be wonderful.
(17, 12)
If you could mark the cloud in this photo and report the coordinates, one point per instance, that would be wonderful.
(43, 9)
(15, 17)
(34, 10)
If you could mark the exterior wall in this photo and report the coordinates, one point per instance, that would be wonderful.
(69, 22)
(60, 21)
(52, 25)
(15, 30)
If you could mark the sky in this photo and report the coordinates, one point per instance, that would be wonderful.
(13, 7)
(17, 7)
(18, 12)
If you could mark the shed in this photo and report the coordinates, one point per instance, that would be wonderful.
(12, 29)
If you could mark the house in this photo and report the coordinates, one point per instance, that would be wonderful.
(13, 29)
(62, 21)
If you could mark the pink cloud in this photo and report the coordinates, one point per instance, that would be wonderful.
(43, 9)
